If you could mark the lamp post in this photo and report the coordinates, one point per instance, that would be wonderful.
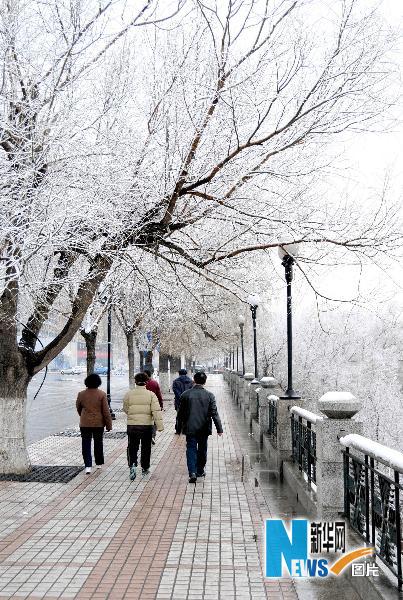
(108, 376)
(106, 299)
(241, 323)
(253, 301)
(287, 252)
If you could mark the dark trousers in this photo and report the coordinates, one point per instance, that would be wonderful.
(196, 453)
(137, 434)
(177, 427)
(87, 433)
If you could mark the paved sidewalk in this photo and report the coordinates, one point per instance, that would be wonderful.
(103, 536)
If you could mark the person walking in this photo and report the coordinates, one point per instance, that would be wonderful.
(142, 409)
(180, 385)
(92, 406)
(196, 410)
(154, 386)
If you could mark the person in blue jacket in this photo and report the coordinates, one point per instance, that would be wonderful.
(180, 385)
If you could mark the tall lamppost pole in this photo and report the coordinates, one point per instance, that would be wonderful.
(253, 301)
(241, 323)
(108, 376)
(287, 252)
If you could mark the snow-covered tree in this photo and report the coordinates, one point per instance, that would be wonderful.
(353, 348)
(193, 143)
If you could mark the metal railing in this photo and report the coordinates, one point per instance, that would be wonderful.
(272, 419)
(303, 439)
(373, 499)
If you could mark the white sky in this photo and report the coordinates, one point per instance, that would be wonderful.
(370, 158)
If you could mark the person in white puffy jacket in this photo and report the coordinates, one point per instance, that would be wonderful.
(143, 410)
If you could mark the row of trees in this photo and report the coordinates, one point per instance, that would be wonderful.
(191, 132)
(342, 347)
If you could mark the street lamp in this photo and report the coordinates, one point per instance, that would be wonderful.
(241, 323)
(253, 301)
(287, 252)
(108, 376)
(105, 298)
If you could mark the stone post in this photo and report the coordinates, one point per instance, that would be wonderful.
(279, 448)
(252, 403)
(233, 382)
(254, 392)
(267, 384)
(241, 384)
(248, 377)
(339, 407)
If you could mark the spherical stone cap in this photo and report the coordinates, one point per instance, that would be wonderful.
(268, 382)
(249, 376)
(339, 405)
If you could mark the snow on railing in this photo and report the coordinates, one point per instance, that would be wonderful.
(388, 456)
(306, 414)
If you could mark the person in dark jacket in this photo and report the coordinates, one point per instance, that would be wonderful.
(92, 406)
(180, 385)
(196, 410)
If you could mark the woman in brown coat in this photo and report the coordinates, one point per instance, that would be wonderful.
(92, 406)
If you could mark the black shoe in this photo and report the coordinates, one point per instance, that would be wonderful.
(146, 471)
(153, 441)
(201, 474)
(192, 478)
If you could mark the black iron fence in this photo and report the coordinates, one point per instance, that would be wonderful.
(272, 421)
(304, 446)
(373, 505)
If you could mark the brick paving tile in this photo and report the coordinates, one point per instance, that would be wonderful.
(157, 538)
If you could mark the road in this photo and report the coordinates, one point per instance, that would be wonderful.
(54, 408)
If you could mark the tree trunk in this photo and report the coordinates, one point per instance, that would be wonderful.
(163, 373)
(15, 375)
(90, 344)
(130, 356)
(141, 353)
(148, 361)
(175, 365)
(188, 364)
(14, 379)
